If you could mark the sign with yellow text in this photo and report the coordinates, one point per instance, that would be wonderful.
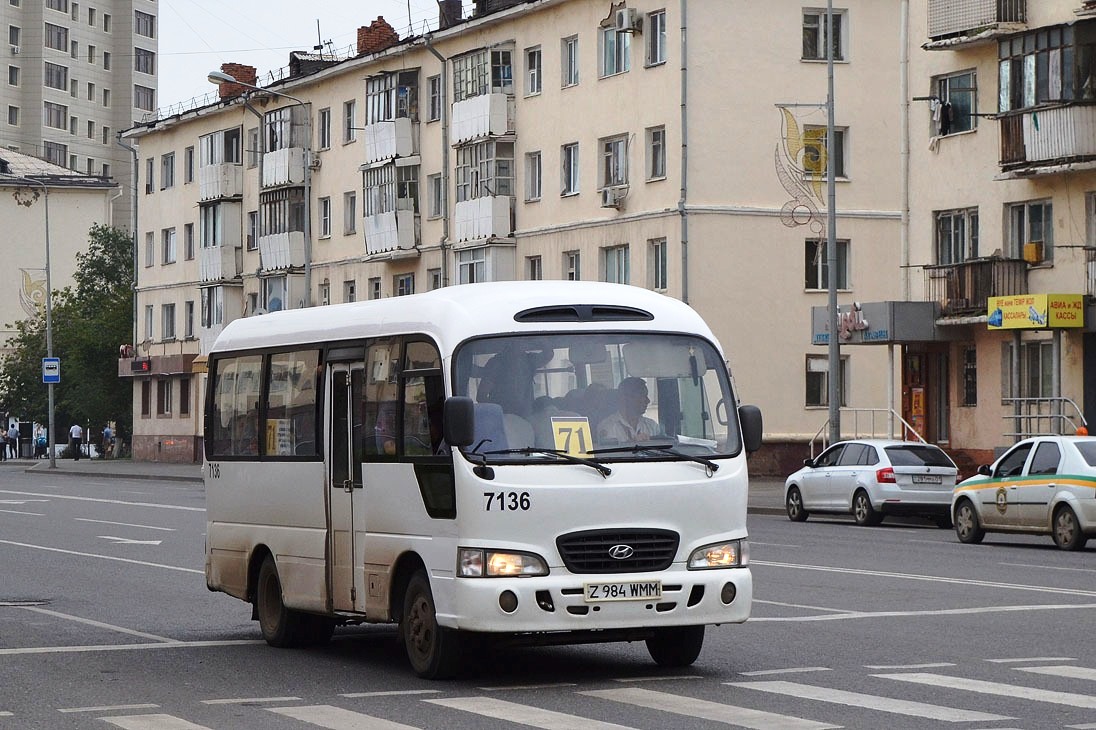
(1036, 311)
(572, 435)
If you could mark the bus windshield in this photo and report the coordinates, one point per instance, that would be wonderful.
(610, 396)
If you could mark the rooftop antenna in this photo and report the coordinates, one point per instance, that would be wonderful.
(319, 38)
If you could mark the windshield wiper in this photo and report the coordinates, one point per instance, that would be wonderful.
(528, 450)
(666, 448)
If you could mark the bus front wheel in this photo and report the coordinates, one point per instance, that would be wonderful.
(676, 647)
(433, 650)
(279, 625)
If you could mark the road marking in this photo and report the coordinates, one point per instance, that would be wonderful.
(110, 708)
(127, 647)
(626, 680)
(938, 665)
(96, 624)
(392, 693)
(1087, 702)
(103, 557)
(152, 722)
(931, 612)
(106, 501)
(799, 605)
(508, 688)
(1049, 567)
(790, 670)
(1062, 670)
(872, 702)
(336, 718)
(125, 524)
(715, 711)
(524, 714)
(17, 512)
(21, 501)
(246, 700)
(1033, 659)
(128, 541)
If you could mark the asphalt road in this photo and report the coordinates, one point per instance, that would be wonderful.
(105, 622)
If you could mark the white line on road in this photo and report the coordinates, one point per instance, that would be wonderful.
(336, 718)
(1033, 659)
(799, 605)
(246, 700)
(511, 687)
(103, 557)
(125, 524)
(126, 647)
(391, 693)
(1049, 567)
(670, 678)
(106, 501)
(1067, 671)
(933, 612)
(999, 689)
(524, 714)
(714, 711)
(17, 512)
(96, 624)
(891, 667)
(128, 540)
(109, 708)
(152, 722)
(789, 670)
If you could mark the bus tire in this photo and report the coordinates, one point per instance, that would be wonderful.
(433, 651)
(318, 630)
(280, 626)
(678, 646)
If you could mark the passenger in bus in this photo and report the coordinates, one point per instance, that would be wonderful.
(507, 381)
(628, 425)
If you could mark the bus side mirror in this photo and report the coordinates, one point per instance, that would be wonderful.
(459, 421)
(750, 416)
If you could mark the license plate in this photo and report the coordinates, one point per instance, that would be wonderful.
(926, 478)
(646, 590)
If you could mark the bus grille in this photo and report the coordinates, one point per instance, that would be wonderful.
(588, 551)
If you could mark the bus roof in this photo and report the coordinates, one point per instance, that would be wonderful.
(453, 314)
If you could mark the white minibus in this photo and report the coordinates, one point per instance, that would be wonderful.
(534, 462)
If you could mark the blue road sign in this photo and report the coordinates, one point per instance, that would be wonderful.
(51, 370)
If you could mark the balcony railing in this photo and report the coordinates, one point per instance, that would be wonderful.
(387, 140)
(964, 288)
(953, 18)
(284, 167)
(487, 115)
(220, 181)
(1048, 136)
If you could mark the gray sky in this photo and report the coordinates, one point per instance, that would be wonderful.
(197, 36)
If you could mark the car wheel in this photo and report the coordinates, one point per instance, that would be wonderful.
(968, 528)
(676, 647)
(1067, 532)
(865, 514)
(794, 505)
(280, 626)
(434, 651)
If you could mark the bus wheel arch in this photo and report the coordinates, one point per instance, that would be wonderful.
(280, 626)
(406, 566)
(434, 651)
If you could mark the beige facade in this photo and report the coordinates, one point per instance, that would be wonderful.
(571, 139)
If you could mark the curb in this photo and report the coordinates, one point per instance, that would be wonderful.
(59, 471)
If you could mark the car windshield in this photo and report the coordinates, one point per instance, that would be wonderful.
(918, 456)
(598, 392)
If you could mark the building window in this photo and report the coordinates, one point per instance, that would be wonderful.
(325, 293)
(657, 266)
(106, 135)
(144, 24)
(13, 75)
(616, 51)
(274, 293)
(485, 169)
(817, 379)
(350, 111)
(106, 60)
(252, 240)
(58, 5)
(188, 165)
(350, 291)
(106, 22)
(167, 239)
(615, 263)
(814, 35)
(253, 149)
(1031, 231)
(163, 397)
(56, 115)
(392, 96)
(390, 188)
(614, 161)
(435, 188)
(167, 171)
(106, 97)
(532, 71)
(815, 146)
(150, 184)
(375, 287)
(13, 116)
(150, 249)
(56, 76)
(13, 36)
(91, 54)
(1036, 377)
(57, 37)
(55, 152)
(957, 107)
(434, 276)
(656, 153)
(188, 319)
(146, 398)
(148, 322)
(483, 72)
(404, 284)
(144, 98)
(188, 241)
(281, 211)
(212, 225)
(956, 235)
(325, 217)
(184, 396)
(213, 306)
(817, 265)
(970, 376)
(350, 213)
(167, 323)
(1048, 65)
(471, 265)
(324, 124)
(281, 128)
(144, 61)
(532, 176)
(434, 91)
(656, 37)
(534, 268)
(571, 263)
(74, 50)
(569, 56)
(569, 169)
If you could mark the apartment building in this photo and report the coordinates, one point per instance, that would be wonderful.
(77, 73)
(673, 146)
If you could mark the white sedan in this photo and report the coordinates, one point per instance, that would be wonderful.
(871, 478)
(1042, 485)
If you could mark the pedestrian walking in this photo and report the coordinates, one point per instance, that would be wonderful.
(108, 442)
(76, 437)
(13, 440)
(4, 443)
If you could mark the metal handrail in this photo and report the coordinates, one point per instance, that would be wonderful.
(893, 419)
(1023, 416)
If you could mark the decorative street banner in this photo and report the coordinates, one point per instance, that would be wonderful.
(1036, 311)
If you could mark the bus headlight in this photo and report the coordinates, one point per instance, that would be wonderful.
(479, 563)
(730, 554)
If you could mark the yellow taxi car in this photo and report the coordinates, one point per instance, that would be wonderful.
(1042, 485)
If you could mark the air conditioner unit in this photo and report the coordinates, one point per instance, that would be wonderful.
(613, 196)
(628, 19)
(15, 50)
(1033, 252)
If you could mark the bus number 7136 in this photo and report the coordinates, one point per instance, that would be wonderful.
(506, 501)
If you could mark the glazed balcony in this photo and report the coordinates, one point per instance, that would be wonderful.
(1048, 138)
(964, 289)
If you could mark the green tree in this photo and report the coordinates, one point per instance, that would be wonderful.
(90, 319)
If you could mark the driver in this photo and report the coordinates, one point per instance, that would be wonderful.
(628, 424)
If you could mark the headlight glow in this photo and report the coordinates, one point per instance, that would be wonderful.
(730, 554)
(479, 563)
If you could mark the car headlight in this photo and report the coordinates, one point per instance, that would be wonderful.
(730, 554)
(479, 563)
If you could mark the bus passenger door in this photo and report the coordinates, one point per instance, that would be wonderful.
(345, 483)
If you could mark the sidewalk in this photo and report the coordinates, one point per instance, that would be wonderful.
(766, 493)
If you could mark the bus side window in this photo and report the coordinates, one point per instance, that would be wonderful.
(380, 404)
(423, 399)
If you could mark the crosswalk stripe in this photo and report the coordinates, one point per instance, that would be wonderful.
(336, 718)
(996, 688)
(1063, 670)
(524, 714)
(152, 722)
(715, 711)
(872, 702)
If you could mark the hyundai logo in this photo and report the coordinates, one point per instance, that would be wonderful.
(621, 552)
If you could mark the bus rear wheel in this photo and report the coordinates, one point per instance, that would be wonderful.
(434, 651)
(280, 626)
(676, 647)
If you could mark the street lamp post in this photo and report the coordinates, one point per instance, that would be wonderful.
(220, 77)
(49, 315)
(833, 382)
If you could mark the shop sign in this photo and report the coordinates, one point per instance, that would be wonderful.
(1036, 311)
